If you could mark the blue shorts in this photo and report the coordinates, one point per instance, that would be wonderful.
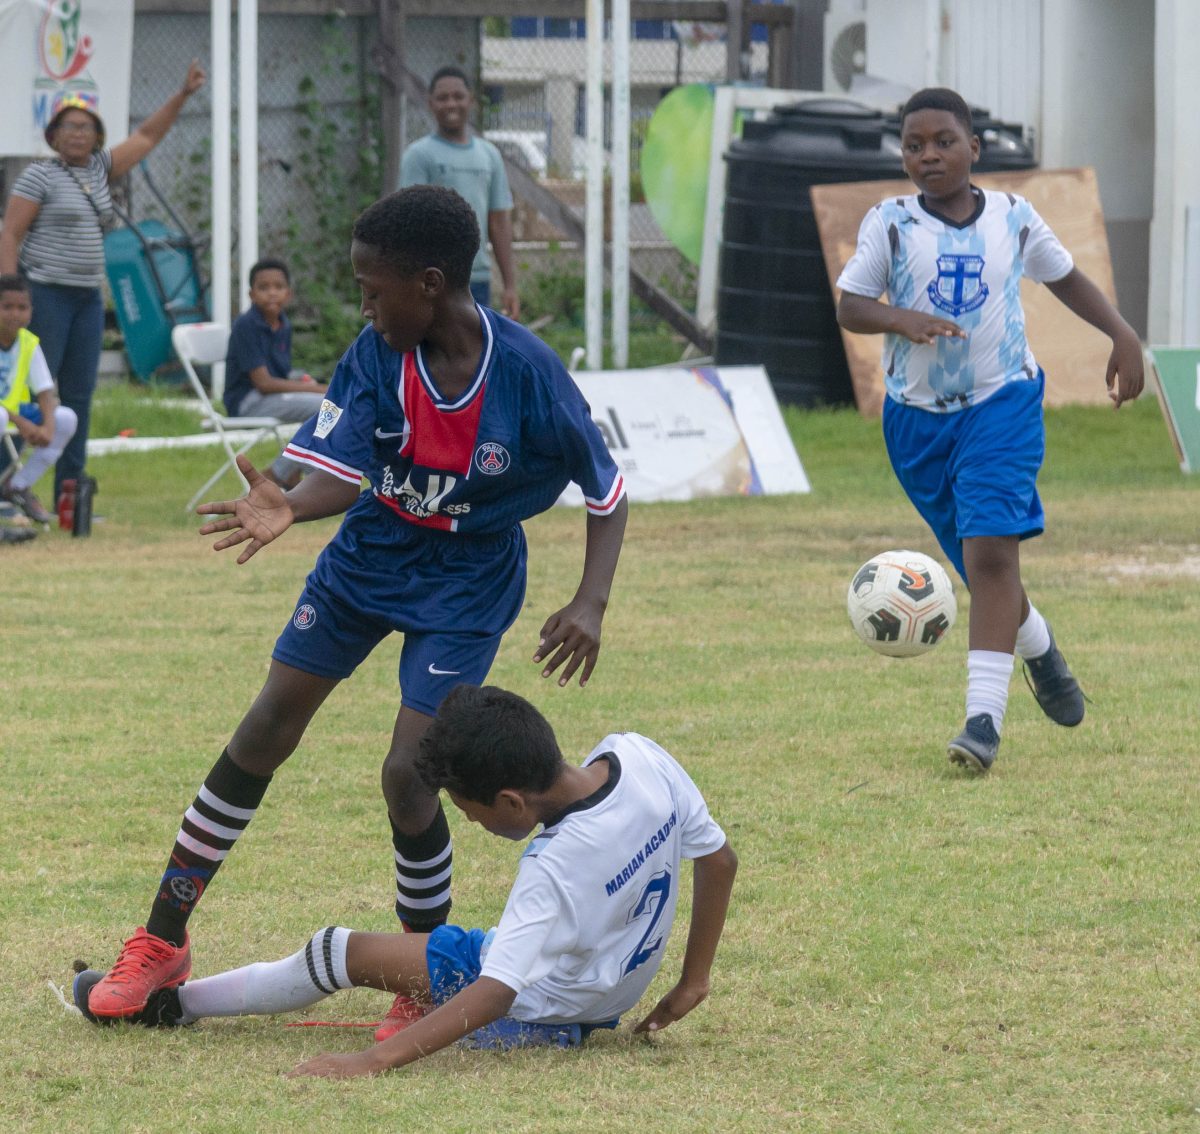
(974, 472)
(451, 596)
(453, 957)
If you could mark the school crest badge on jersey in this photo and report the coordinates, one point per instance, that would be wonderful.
(327, 418)
(492, 458)
(959, 285)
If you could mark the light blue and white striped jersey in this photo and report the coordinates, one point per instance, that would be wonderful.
(970, 274)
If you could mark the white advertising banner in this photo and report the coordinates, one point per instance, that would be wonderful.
(48, 47)
(680, 434)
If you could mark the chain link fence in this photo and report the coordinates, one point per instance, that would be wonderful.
(321, 150)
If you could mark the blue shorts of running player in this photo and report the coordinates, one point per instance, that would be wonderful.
(974, 472)
(454, 957)
(452, 596)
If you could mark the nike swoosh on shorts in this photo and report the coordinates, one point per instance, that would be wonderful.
(443, 672)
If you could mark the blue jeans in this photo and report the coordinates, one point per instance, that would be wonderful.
(70, 323)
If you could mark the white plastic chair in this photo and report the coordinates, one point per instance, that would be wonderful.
(201, 344)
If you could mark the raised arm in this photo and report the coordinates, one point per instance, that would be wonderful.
(18, 216)
(478, 1005)
(126, 154)
(712, 883)
(1125, 375)
(573, 633)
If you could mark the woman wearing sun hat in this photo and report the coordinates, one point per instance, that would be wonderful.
(53, 234)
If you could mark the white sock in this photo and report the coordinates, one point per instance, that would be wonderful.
(988, 675)
(307, 976)
(1033, 635)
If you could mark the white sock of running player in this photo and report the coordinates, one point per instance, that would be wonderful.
(307, 976)
(988, 675)
(1033, 635)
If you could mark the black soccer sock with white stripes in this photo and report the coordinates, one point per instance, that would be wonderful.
(262, 989)
(423, 867)
(217, 817)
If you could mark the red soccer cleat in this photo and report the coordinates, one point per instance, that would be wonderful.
(404, 1011)
(146, 964)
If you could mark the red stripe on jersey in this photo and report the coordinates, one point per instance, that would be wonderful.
(439, 439)
(604, 507)
(441, 523)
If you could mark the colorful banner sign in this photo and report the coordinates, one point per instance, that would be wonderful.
(680, 434)
(53, 47)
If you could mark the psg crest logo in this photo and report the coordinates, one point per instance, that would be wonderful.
(492, 459)
(305, 617)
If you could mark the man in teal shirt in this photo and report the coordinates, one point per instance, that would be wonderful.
(455, 157)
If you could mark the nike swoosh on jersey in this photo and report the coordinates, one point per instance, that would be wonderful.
(443, 672)
(387, 436)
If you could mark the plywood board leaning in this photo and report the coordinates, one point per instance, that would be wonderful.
(1073, 354)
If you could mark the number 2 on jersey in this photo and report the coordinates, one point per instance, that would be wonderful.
(650, 904)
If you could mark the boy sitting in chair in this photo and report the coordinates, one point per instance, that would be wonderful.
(258, 363)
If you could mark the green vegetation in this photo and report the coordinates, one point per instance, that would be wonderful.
(909, 950)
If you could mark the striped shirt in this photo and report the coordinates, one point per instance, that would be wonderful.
(65, 243)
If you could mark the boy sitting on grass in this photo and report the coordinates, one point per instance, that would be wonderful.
(28, 401)
(258, 363)
(586, 923)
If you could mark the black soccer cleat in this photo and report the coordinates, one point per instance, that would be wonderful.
(1055, 687)
(81, 987)
(976, 746)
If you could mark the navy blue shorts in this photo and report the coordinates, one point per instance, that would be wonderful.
(451, 596)
(974, 472)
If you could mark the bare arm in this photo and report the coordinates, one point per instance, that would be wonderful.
(574, 631)
(863, 316)
(712, 884)
(126, 154)
(479, 1004)
(19, 215)
(1125, 375)
(266, 383)
(500, 235)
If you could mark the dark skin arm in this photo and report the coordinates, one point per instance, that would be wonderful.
(500, 236)
(126, 154)
(479, 1004)
(266, 511)
(1125, 375)
(18, 216)
(572, 634)
(863, 316)
(712, 883)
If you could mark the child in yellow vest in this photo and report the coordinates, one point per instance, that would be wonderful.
(29, 405)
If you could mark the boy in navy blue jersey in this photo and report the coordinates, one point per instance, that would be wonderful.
(963, 415)
(258, 362)
(464, 424)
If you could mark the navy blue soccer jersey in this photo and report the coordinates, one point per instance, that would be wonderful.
(501, 452)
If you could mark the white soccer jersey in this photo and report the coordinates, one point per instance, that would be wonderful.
(587, 920)
(969, 274)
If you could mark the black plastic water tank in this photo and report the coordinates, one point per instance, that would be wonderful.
(774, 304)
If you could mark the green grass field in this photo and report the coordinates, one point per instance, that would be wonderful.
(909, 949)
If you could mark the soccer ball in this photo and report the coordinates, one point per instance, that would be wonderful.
(901, 603)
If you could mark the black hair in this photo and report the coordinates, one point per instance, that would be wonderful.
(484, 740)
(449, 73)
(10, 281)
(423, 226)
(270, 264)
(939, 98)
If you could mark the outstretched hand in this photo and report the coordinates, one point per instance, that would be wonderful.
(257, 518)
(332, 1066)
(572, 635)
(674, 1006)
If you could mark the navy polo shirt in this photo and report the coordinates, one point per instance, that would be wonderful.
(252, 344)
